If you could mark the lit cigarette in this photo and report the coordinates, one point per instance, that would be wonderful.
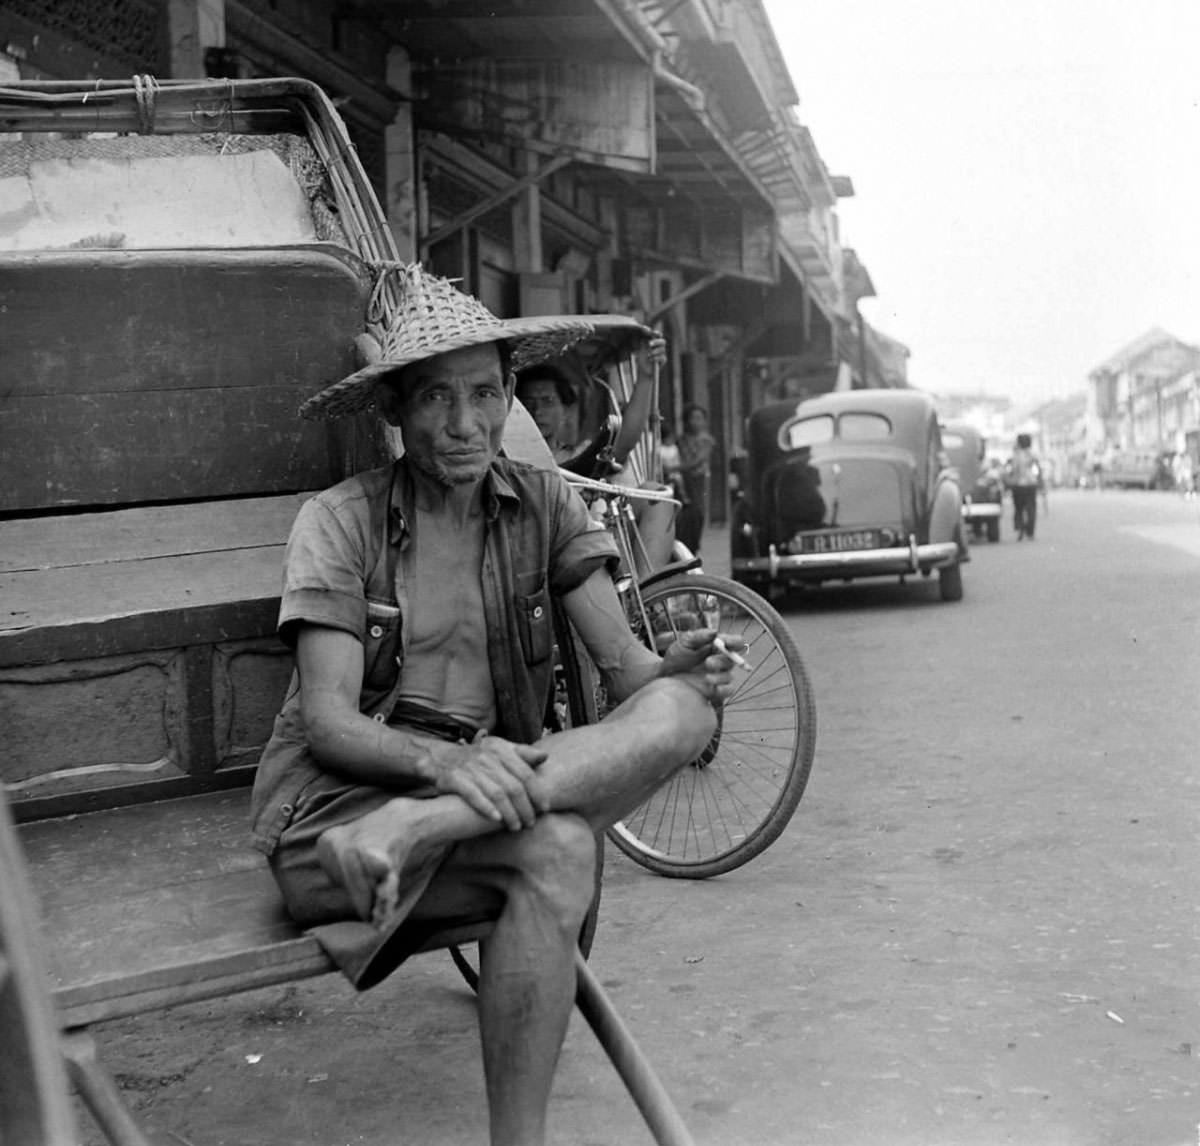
(738, 660)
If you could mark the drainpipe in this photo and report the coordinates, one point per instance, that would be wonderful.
(656, 47)
(692, 94)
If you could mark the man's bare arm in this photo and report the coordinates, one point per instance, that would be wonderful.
(493, 775)
(330, 663)
(625, 664)
(640, 407)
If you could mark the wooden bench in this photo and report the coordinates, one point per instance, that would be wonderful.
(148, 906)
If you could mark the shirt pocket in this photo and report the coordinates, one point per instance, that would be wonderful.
(381, 646)
(535, 625)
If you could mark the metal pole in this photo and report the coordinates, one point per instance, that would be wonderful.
(640, 1078)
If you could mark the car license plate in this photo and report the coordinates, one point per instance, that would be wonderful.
(842, 541)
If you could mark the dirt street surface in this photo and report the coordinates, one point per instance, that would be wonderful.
(980, 928)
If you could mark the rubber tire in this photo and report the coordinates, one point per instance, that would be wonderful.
(950, 585)
(993, 530)
(784, 806)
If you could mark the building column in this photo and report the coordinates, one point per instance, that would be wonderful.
(193, 27)
(400, 160)
(527, 220)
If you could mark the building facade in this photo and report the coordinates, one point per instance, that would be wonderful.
(631, 156)
(1145, 397)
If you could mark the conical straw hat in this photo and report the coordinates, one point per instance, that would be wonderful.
(429, 316)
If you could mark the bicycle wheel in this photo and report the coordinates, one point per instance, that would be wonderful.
(736, 798)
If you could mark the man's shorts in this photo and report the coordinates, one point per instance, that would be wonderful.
(364, 953)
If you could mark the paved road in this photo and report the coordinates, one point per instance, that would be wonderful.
(980, 928)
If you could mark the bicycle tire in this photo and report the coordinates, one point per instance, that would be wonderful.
(580, 689)
(734, 801)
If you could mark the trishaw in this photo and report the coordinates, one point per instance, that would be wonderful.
(144, 350)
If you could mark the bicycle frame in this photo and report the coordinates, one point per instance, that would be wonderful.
(615, 503)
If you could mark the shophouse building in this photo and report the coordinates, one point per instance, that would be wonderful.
(632, 156)
(1145, 397)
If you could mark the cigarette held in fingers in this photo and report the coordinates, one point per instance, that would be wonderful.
(737, 659)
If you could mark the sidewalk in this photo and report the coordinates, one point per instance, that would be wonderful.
(715, 549)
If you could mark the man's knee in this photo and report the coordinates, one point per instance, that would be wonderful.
(557, 864)
(680, 720)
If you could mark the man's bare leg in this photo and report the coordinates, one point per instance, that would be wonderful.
(539, 883)
(599, 772)
(538, 879)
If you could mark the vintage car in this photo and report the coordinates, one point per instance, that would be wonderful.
(1139, 469)
(845, 486)
(982, 483)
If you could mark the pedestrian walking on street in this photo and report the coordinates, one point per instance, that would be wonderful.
(1184, 473)
(1023, 476)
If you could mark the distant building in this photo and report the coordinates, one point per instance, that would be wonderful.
(1145, 396)
(988, 413)
(887, 359)
(1059, 430)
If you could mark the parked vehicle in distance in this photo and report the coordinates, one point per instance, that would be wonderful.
(981, 483)
(1136, 469)
(845, 486)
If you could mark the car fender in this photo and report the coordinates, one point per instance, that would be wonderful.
(945, 514)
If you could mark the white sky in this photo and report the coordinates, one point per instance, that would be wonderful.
(1027, 175)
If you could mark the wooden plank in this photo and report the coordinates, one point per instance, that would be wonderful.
(38, 808)
(177, 320)
(34, 1105)
(284, 961)
(151, 906)
(115, 448)
(166, 629)
(90, 594)
(104, 537)
(181, 376)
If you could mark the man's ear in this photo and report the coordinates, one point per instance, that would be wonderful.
(388, 401)
(510, 386)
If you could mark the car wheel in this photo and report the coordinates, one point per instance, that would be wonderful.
(994, 529)
(950, 584)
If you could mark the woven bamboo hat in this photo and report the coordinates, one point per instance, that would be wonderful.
(414, 315)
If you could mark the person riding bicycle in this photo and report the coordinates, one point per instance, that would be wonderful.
(408, 781)
(1023, 477)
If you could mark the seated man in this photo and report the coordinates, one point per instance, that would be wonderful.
(408, 780)
(545, 389)
(548, 395)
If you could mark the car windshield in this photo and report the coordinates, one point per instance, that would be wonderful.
(852, 427)
(806, 432)
(863, 428)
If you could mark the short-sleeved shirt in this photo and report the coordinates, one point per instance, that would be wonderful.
(349, 561)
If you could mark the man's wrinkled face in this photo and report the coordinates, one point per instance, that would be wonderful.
(451, 410)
